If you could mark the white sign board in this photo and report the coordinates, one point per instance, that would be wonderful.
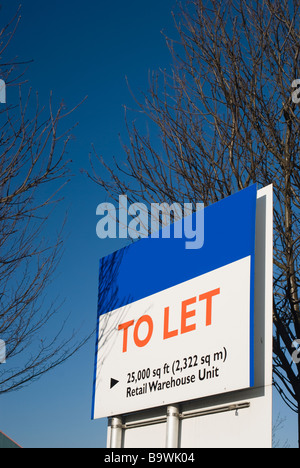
(181, 325)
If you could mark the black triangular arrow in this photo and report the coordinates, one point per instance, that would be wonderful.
(113, 382)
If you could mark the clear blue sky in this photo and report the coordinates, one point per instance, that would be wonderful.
(85, 48)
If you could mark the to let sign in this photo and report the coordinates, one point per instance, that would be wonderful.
(176, 324)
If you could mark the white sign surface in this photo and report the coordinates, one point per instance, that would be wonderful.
(186, 342)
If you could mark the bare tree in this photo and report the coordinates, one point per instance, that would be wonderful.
(33, 170)
(278, 425)
(226, 119)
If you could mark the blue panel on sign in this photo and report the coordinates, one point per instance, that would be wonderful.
(152, 265)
